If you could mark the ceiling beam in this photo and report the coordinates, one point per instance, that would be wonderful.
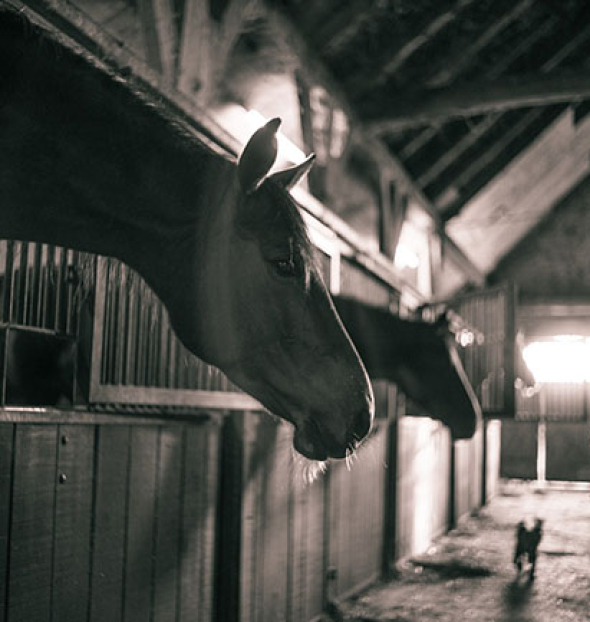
(464, 57)
(157, 20)
(435, 105)
(422, 138)
(458, 149)
(343, 26)
(401, 56)
(206, 46)
(492, 152)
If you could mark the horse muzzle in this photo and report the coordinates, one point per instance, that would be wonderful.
(315, 441)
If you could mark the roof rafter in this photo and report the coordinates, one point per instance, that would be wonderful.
(525, 43)
(157, 19)
(494, 151)
(343, 26)
(458, 62)
(426, 106)
(414, 44)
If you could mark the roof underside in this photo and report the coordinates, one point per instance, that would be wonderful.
(459, 90)
(483, 103)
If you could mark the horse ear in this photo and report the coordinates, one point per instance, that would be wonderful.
(258, 156)
(290, 176)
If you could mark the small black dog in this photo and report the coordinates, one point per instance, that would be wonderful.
(527, 542)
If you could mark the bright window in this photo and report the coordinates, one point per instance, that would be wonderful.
(564, 358)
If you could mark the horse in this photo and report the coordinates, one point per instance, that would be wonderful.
(92, 161)
(420, 357)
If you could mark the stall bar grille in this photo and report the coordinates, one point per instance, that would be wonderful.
(42, 286)
(136, 356)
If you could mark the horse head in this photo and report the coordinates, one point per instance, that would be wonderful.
(420, 357)
(266, 318)
(221, 244)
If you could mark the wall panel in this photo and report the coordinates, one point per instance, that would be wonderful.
(423, 476)
(6, 453)
(73, 519)
(32, 524)
(110, 513)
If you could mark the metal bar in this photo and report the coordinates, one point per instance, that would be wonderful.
(121, 327)
(97, 329)
(35, 311)
(8, 280)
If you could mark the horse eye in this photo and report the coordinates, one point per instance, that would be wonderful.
(285, 267)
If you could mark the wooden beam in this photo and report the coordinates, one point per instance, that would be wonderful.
(206, 46)
(464, 57)
(449, 156)
(234, 17)
(157, 19)
(499, 67)
(434, 105)
(194, 75)
(343, 25)
(428, 32)
(386, 215)
(491, 153)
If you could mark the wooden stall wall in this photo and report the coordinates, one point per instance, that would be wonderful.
(107, 522)
(492, 459)
(468, 475)
(302, 543)
(518, 458)
(423, 484)
(356, 514)
(567, 451)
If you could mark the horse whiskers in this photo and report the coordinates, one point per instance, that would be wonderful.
(350, 458)
(309, 470)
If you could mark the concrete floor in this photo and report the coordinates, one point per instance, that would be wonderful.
(469, 575)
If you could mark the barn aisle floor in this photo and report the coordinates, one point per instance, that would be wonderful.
(468, 574)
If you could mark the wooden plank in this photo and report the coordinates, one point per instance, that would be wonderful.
(140, 525)
(194, 75)
(234, 519)
(273, 555)
(434, 105)
(57, 416)
(308, 572)
(464, 57)
(157, 19)
(250, 568)
(73, 512)
(31, 544)
(426, 34)
(167, 534)
(6, 453)
(110, 513)
(199, 519)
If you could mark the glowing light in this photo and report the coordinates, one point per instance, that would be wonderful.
(566, 358)
(406, 258)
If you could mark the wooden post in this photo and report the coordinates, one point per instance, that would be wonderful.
(229, 542)
(390, 493)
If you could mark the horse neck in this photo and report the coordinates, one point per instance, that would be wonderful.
(375, 334)
(85, 163)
